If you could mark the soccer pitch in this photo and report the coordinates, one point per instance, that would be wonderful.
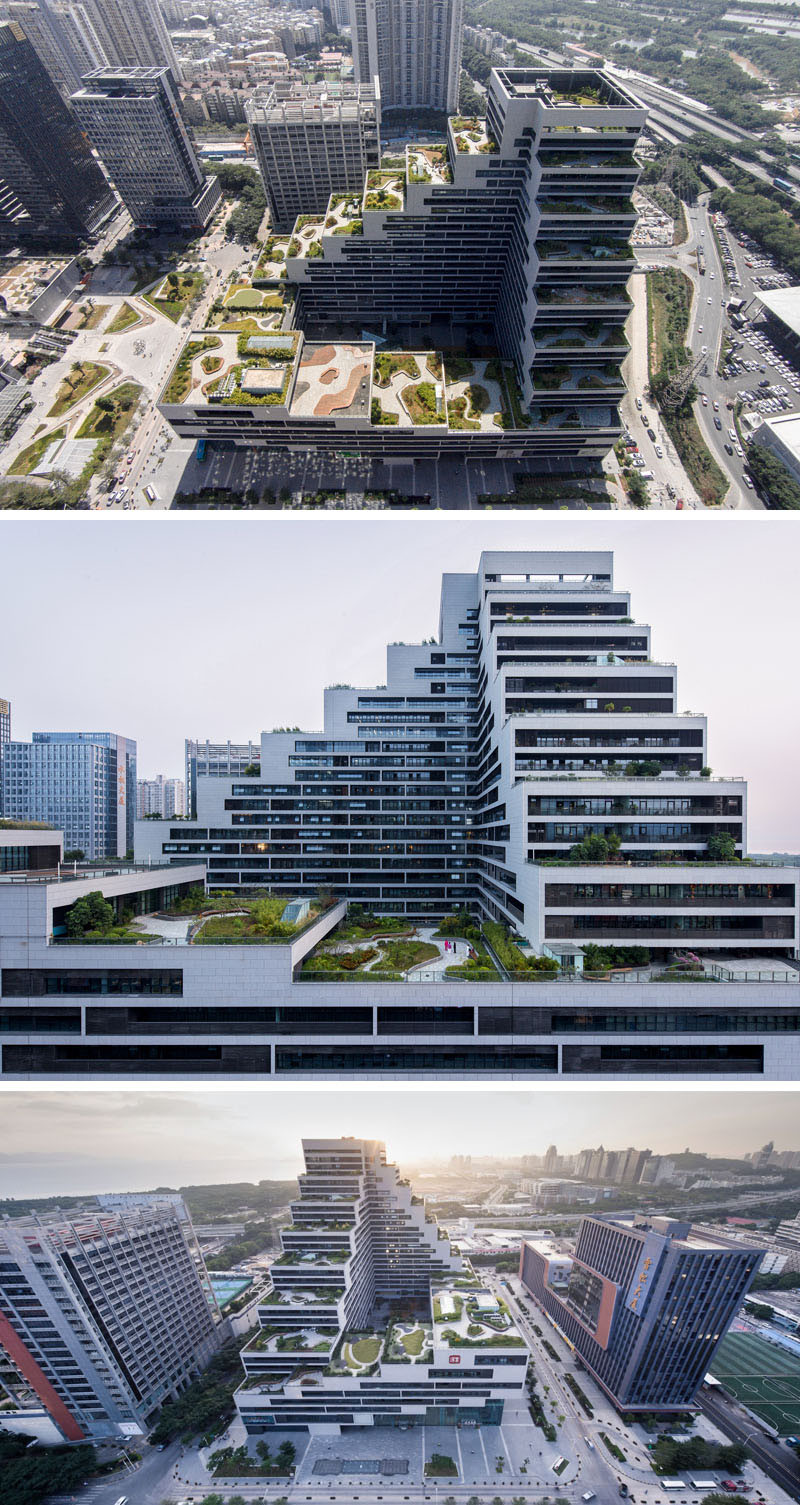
(763, 1377)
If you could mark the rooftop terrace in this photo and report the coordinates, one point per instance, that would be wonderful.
(472, 1318)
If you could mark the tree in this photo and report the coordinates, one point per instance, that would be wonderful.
(287, 1453)
(30, 1473)
(720, 847)
(760, 1309)
(596, 848)
(74, 855)
(91, 912)
(105, 404)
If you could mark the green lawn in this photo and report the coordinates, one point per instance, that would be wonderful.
(399, 956)
(366, 1350)
(29, 458)
(82, 379)
(178, 295)
(245, 298)
(123, 319)
(412, 1342)
(102, 424)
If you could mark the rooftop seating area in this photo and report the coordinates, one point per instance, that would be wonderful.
(333, 380)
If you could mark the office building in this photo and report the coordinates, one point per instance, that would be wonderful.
(103, 1315)
(82, 782)
(133, 119)
(313, 141)
(514, 237)
(51, 188)
(160, 796)
(5, 738)
(414, 49)
(538, 722)
(362, 1260)
(643, 1302)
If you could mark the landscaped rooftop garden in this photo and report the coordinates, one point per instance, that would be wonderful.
(262, 374)
(271, 263)
(428, 164)
(343, 215)
(470, 134)
(384, 191)
(182, 380)
(475, 1318)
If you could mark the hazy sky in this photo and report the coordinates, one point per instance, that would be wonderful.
(85, 1141)
(163, 628)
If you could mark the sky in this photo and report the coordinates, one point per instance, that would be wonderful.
(87, 1141)
(221, 627)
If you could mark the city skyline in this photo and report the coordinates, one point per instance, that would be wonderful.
(393, 585)
(210, 1135)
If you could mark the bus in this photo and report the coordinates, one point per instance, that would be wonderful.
(672, 1484)
(201, 450)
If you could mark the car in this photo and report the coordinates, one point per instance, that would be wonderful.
(739, 451)
(709, 300)
(639, 403)
(748, 483)
(729, 1485)
(659, 452)
(700, 329)
(728, 448)
(704, 350)
(717, 423)
(623, 1490)
(588, 1494)
(715, 405)
(679, 504)
(651, 435)
(704, 399)
(711, 275)
(589, 1443)
(732, 435)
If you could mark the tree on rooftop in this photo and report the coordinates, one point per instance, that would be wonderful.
(91, 912)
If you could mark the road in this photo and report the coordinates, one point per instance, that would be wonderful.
(776, 1459)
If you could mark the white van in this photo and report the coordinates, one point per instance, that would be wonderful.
(151, 494)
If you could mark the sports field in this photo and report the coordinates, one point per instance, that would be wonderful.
(762, 1377)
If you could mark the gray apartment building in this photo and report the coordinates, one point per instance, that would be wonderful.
(103, 1315)
(84, 783)
(133, 119)
(644, 1303)
(413, 47)
(312, 141)
(51, 188)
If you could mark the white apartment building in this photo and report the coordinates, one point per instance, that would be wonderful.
(160, 796)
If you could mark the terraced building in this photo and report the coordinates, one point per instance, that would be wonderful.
(497, 264)
(531, 764)
(372, 1320)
